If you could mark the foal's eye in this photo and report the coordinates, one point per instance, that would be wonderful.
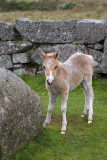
(43, 67)
(55, 67)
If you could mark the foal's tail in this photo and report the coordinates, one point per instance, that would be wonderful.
(94, 63)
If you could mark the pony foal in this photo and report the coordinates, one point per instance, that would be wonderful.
(63, 77)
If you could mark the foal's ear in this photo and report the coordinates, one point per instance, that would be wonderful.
(43, 54)
(56, 54)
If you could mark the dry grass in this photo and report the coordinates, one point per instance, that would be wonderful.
(83, 1)
(88, 12)
(78, 14)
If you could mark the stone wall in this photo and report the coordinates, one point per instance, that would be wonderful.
(21, 43)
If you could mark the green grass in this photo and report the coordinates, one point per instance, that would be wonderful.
(81, 141)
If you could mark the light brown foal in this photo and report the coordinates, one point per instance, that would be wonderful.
(63, 77)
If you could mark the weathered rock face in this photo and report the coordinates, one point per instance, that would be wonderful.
(47, 31)
(98, 57)
(11, 47)
(25, 70)
(5, 61)
(65, 51)
(105, 46)
(90, 31)
(21, 58)
(104, 63)
(7, 31)
(20, 113)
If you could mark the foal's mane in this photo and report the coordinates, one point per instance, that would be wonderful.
(52, 55)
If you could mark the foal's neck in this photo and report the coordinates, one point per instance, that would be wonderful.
(61, 70)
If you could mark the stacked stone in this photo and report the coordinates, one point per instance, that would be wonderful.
(88, 36)
(14, 50)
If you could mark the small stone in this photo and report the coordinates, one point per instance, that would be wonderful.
(21, 58)
(17, 66)
(6, 61)
(26, 71)
(98, 46)
(11, 47)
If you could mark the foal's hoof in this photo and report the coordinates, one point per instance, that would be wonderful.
(63, 132)
(89, 121)
(44, 125)
(83, 115)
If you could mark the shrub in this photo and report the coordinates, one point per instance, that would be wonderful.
(47, 5)
(27, 5)
(67, 5)
(17, 5)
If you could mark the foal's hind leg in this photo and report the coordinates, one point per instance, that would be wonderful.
(87, 87)
(86, 107)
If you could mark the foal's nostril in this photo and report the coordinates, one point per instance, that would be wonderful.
(49, 82)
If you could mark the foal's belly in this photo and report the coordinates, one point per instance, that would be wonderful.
(75, 80)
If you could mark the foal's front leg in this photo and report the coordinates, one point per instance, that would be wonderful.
(64, 98)
(52, 99)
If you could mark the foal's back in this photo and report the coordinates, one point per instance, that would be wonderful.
(77, 66)
(82, 62)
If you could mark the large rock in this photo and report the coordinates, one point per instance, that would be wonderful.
(65, 51)
(8, 31)
(26, 71)
(47, 31)
(21, 58)
(6, 61)
(90, 31)
(21, 115)
(11, 47)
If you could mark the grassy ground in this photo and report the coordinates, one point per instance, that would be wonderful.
(81, 141)
(85, 9)
(76, 13)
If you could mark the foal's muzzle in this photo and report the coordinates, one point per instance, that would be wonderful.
(49, 82)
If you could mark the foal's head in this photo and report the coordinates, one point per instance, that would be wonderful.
(50, 65)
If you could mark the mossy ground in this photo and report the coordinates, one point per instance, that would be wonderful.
(81, 141)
